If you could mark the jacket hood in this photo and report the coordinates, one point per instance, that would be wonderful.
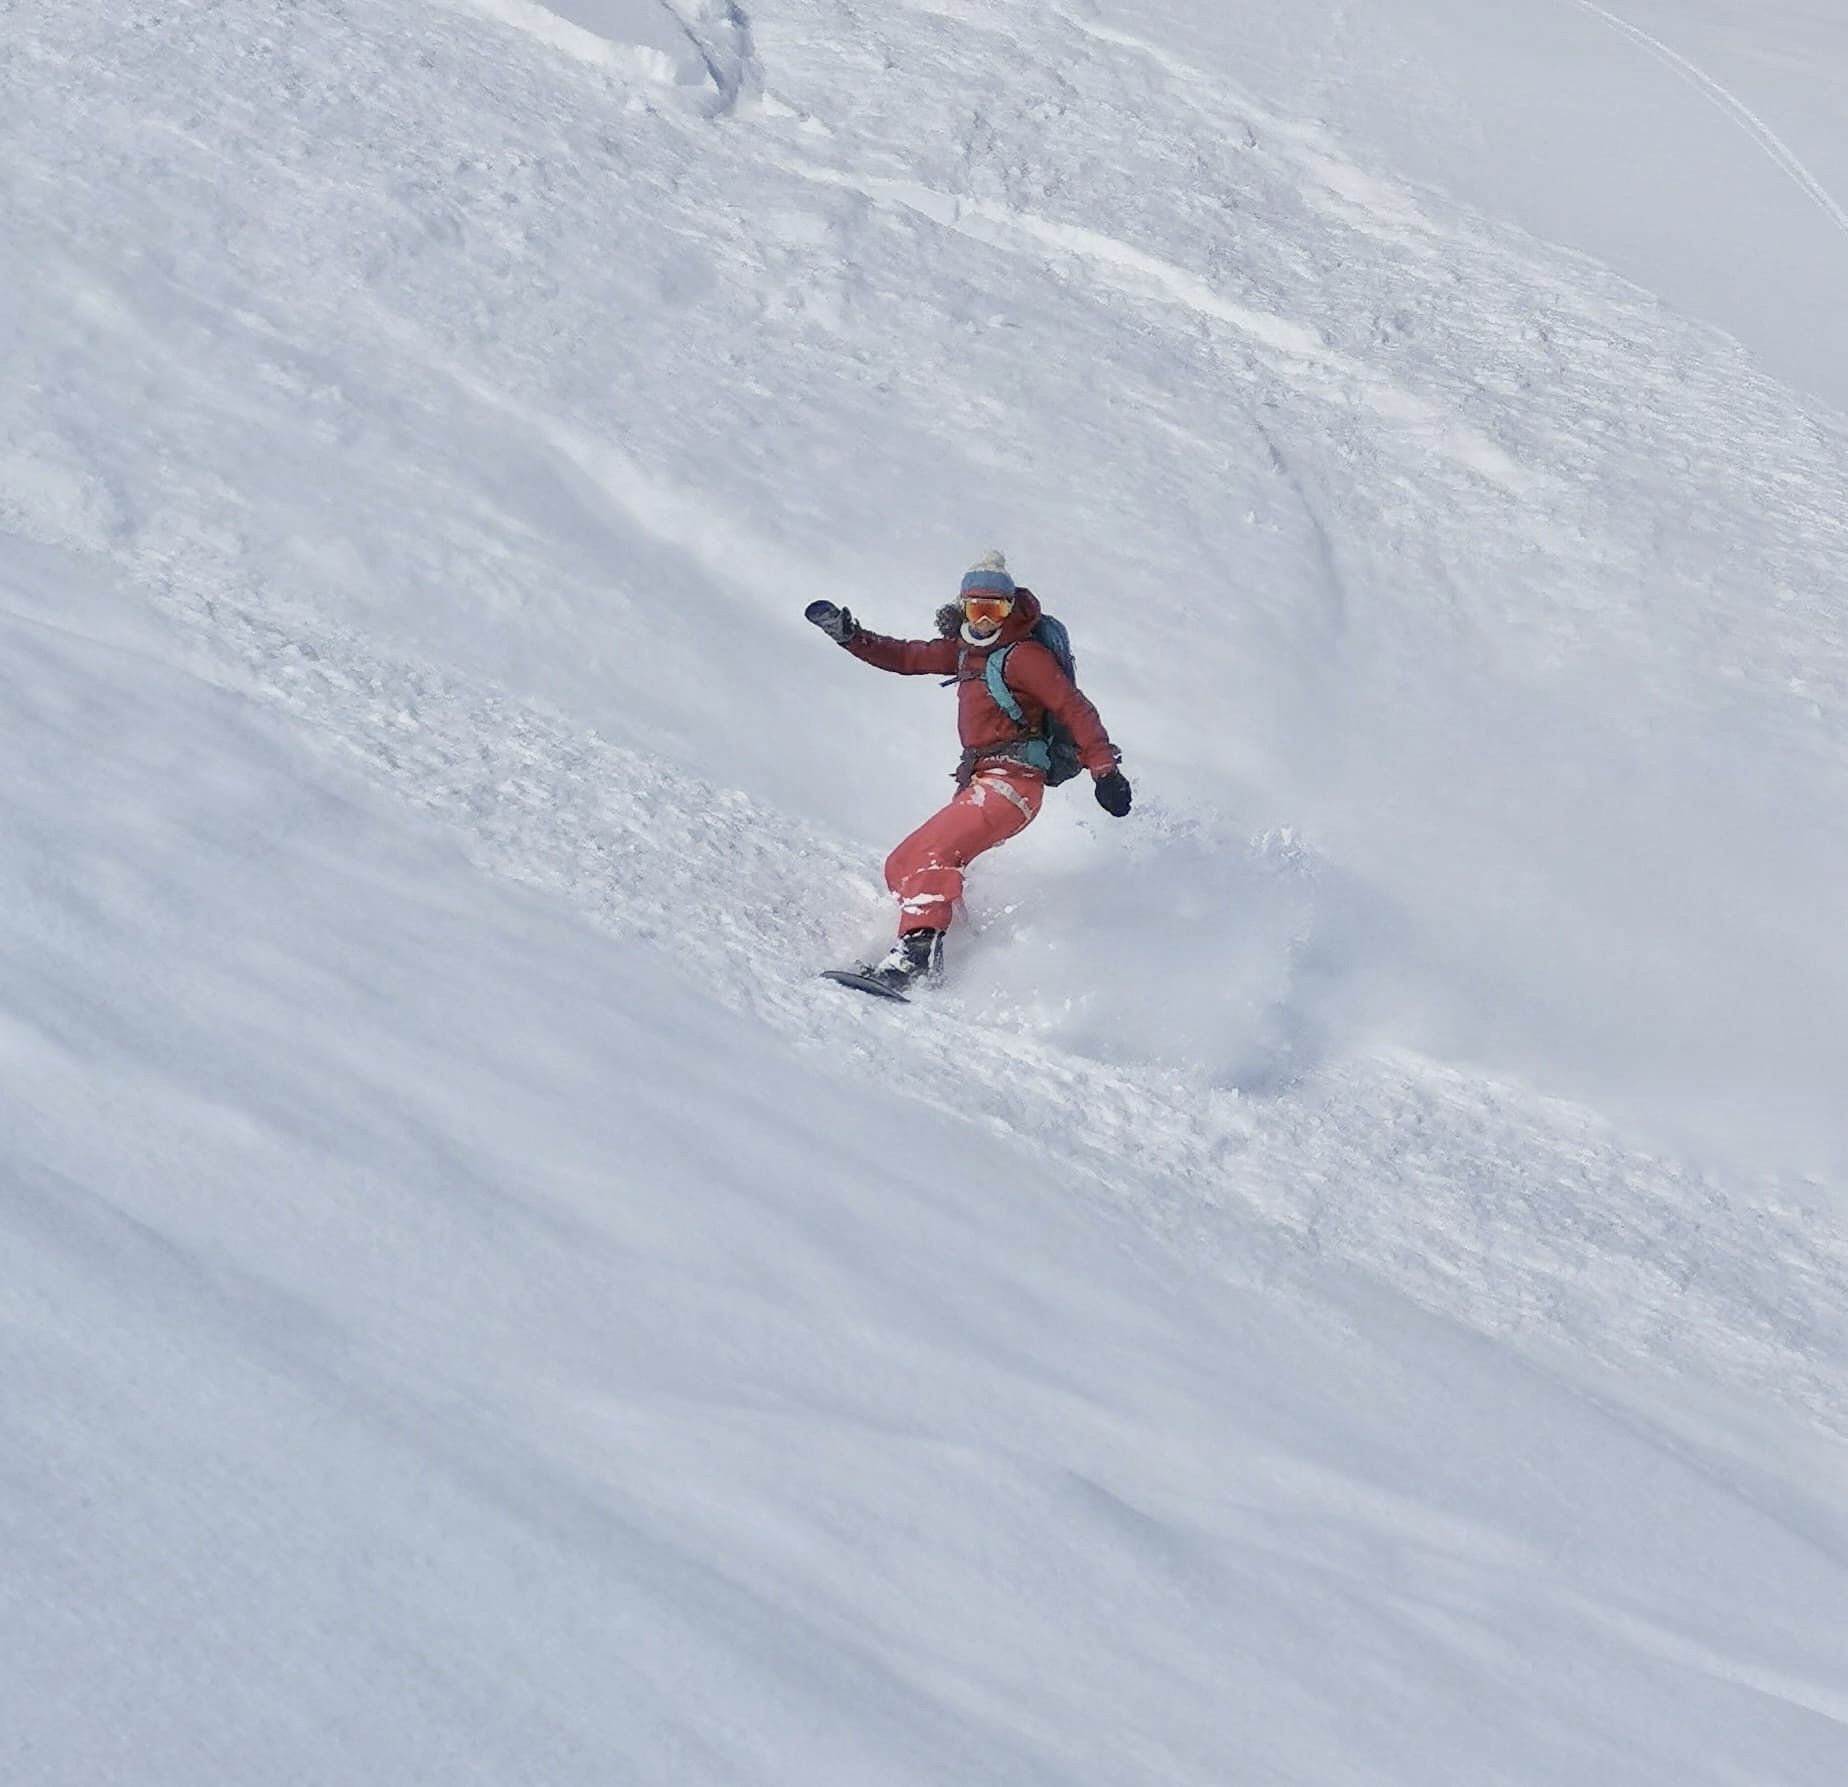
(1023, 620)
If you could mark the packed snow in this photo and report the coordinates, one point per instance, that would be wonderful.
(1347, 1280)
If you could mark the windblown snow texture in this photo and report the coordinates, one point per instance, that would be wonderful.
(1344, 1282)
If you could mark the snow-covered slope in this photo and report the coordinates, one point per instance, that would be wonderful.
(1696, 147)
(1346, 1282)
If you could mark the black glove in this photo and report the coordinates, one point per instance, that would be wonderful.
(1113, 794)
(837, 623)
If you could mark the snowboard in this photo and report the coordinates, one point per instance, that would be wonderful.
(863, 982)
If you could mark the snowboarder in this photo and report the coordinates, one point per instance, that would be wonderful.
(1002, 777)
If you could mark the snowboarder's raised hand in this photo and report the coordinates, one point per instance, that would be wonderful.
(837, 623)
(1113, 794)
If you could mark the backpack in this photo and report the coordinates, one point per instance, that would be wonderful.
(1055, 750)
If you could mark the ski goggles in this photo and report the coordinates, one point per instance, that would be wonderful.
(988, 611)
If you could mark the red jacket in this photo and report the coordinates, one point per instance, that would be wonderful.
(1031, 672)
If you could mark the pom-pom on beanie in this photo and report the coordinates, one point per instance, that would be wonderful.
(988, 576)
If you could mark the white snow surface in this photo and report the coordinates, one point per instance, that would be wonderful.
(1345, 1283)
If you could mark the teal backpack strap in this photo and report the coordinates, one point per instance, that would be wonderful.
(995, 671)
(1034, 751)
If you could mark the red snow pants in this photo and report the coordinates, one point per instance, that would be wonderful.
(926, 870)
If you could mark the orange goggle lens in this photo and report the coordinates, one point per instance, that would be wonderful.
(991, 609)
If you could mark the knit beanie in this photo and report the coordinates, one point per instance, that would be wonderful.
(988, 576)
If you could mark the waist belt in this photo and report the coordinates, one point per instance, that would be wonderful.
(1035, 753)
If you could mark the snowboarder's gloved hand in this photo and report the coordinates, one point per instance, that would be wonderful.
(1113, 794)
(837, 623)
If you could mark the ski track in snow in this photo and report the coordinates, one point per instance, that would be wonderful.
(1761, 133)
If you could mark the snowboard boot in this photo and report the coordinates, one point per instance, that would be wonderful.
(916, 956)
